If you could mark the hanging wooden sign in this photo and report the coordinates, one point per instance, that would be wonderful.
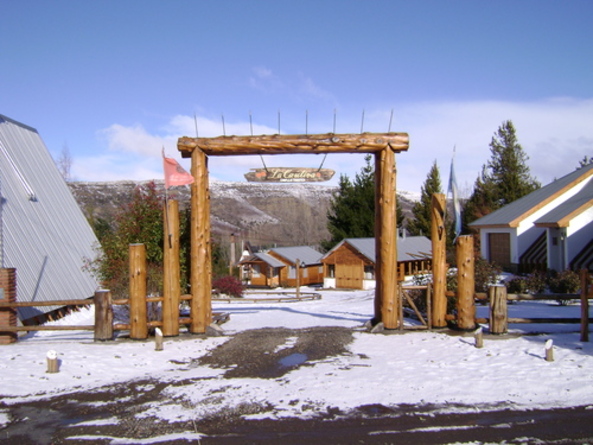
(289, 174)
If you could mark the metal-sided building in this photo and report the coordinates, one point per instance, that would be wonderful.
(550, 228)
(44, 235)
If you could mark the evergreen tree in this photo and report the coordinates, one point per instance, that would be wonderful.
(422, 210)
(504, 179)
(352, 208)
(585, 161)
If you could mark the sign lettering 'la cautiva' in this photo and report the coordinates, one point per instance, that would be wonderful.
(289, 174)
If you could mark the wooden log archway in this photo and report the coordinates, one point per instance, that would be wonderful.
(384, 146)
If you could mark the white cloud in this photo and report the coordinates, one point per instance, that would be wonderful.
(555, 134)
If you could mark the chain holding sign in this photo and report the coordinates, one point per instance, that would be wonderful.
(289, 174)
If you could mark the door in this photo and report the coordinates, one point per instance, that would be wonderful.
(349, 276)
(499, 246)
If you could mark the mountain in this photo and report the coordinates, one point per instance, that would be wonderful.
(263, 214)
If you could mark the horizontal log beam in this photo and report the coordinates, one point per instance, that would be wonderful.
(47, 328)
(292, 144)
(47, 303)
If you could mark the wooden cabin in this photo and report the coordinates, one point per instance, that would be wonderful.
(279, 266)
(351, 263)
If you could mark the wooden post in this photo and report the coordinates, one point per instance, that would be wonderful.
(53, 364)
(479, 338)
(499, 316)
(585, 305)
(466, 309)
(8, 315)
(549, 350)
(439, 262)
(386, 295)
(233, 259)
(171, 270)
(201, 268)
(158, 340)
(297, 265)
(103, 315)
(138, 313)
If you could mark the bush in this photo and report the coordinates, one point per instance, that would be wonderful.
(565, 282)
(228, 285)
(534, 283)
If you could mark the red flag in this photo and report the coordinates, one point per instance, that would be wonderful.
(175, 174)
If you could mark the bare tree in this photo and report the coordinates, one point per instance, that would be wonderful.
(64, 163)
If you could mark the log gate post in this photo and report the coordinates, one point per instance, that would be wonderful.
(466, 288)
(386, 290)
(383, 145)
(138, 313)
(201, 267)
(438, 236)
(171, 270)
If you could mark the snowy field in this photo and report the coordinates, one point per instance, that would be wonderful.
(417, 368)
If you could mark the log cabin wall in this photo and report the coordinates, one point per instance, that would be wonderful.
(349, 266)
(310, 274)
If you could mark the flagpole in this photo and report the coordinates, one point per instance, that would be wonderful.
(169, 235)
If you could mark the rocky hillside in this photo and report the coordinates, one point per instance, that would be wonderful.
(264, 214)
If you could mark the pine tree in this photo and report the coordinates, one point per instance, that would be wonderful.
(352, 208)
(504, 179)
(422, 210)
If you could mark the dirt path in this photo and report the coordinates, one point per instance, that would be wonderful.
(110, 414)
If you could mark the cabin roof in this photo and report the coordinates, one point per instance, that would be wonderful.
(304, 254)
(266, 258)
(409, 248)
(561, 215)
(515, 212)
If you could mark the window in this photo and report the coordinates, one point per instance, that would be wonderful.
(369, 272)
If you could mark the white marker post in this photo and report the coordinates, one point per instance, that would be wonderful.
(549, 347)
(52, 361)
(158, 340)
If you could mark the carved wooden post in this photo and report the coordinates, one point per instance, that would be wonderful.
(439, 263)
(386, 295)
(498, 309)
(103, 315)
(171, 270)
(201, 268)
(138, 315)
(585, 305)
(466, 309)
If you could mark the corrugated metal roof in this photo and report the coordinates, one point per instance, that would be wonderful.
(409, 248)
(269, 259)
(581, 199)
(525, 206)
(45, 234)
(305, 254)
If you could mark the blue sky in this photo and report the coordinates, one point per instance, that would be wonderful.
(114, 81)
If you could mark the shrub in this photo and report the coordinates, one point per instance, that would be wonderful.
(518, 285)
(228, 285)
(565, 282)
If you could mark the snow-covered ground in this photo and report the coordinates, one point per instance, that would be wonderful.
(419, 367)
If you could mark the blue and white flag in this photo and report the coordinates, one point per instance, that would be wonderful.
(452, 189)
